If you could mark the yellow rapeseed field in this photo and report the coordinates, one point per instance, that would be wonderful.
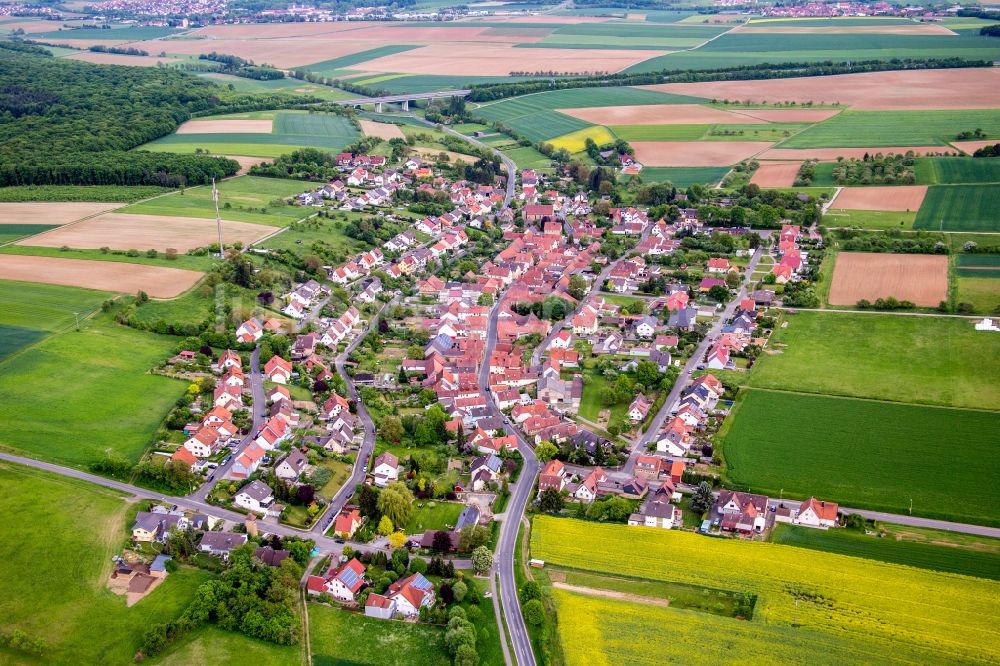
(863, 606)
(575, 142)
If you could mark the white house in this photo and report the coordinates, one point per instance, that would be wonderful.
(411, 594)
(381, 607)
(817, 513)
(646, 328)
(385, 469)
(345, 582)
(292, 465)
(200, 444)
(256, 496)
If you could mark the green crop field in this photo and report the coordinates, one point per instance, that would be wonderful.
(12, 232)
(639, 31)
(683, 176)
(65, 532)
(182, 261)
(419, 83)
(862, 453)
(869, 219)
(746, 42)
(932, 360)
(863, 129)
(342, 637)
(248, 198)
(956, 170)
(75, 395)
(811, 607)
(938, 551)
(126, 34)
(960, 208)
(211, 645)
(46, 307)
(315, 125)
(660, 132)
(326, 67)
(110, 193)
(978, 260)
(16, 338)
(983, 293)
(528, 158)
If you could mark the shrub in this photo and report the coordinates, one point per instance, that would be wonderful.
(534, 613)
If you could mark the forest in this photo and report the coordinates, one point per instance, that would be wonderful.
(65, 122)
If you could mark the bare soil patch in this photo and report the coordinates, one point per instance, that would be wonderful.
(776, 174)
(157, 281)
(246, 162)
(972, 146)
(502, 59)
(892, 197)
(125, 231)
(381, 130)
(44, 212)
(277, 52)
(659, 114)
(919, 278)
(119, 59)
(696, 153)
(409, 34)
(223, 126)
(612, 594)
(790, 115)
(831, 154)
(972, 88)
(273, 30)
(899, 29)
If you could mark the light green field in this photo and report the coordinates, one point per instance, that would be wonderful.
(62, 534)
(46, 307)
(869, 219)
(683, 176)
(183, 261)
(216, 148)
(301, 239)
(77, 394)
(343, 637)
(960, 208)
(441, 516)
(250, 199)
(865, 129)
(982, 292)
(929, 360)
(211, 645)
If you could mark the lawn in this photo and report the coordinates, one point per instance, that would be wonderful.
(249, 199)
(15, 338)
(960, 208)
(591, 405)
(344, 637)
(869, 219)
(915, 547)
(433, 515)
(339, 472)
(192, 308)
(811, 607)
(866, 454)
(211, 645)
(326, 233)
(982, 292)
(57, 557)
(683, 176)
(77, 394)
(865, 129)
(933, 360)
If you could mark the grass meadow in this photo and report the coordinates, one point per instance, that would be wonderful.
(343, 637)
(185, 261)
(110, 193)
(865, 129)
(211, 645)
(982, 292)
(46, 307)
(811, 607)
(915, 547)
(440, 516)
(931, 360)
(869, 219)
(250, 199)
(684, 176)
(60, 535)
(866, 454)
(960, 208)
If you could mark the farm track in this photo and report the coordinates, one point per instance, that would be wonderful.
(611, 594)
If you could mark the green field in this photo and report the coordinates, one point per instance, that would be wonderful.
(683, 176)
(249, 199)
(120, 33)
(960, 208)
(343, 637)
(863, 129)
(982, 292)
(45, 307)
(440, 516)
(931, 360)
(112, 193)
(190, 308)
(61, 534)
(980, 266)
(528, 158)
(338, 128)
(211, 645)
(957, 170)
(937, 550)
(77, 394)
(326, 67)
(420, 83)
(300, 240)
(866, 454)
(660, 132)
(237, 148)
(182, 261)
(12, 232)
(15, 338)
(869, 219)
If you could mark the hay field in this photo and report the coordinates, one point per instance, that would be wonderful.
(900, 197)
(381, 130)
(432, 153)
(125, 231)
(791, 115)
(44, 212)
(974, 88)
(776, 174)
(696, 153)
(919, 278)
(659, 114)
(156, 281)
(226, 126)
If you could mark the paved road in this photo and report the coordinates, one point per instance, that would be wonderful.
(507, 543)
(258, 411)
(685, 377)
(388, 99)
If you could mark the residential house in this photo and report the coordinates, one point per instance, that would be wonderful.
(247, 462)
(293, 464)
(385, 469)
(740, 512)
(587, 490)
(347, 523)
(152, 526)
(256, 496)
(342, 583)
(221, 544)
(552, 476)
(648, 467)
(817, 513)
(411, 594)
(639, 408)
(249, 331)
(278, 370)
(379, 606)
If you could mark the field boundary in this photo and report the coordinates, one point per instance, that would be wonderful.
(841, 396)
(611, 594)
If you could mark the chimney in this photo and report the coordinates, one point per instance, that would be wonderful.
(251, 524)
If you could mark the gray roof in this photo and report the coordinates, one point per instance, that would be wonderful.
(469, 516)
(221, 541)
(257, 490)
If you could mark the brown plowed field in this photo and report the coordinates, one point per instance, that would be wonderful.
(898, 29)
(791, 115)
(776, 174)
(973, 88)
(659, 114)
(273, 30)
(407, 34)
(247, 162)
(501, 59)
(972, 146)
(157, 281)
(893, 198)
(44, 212)
(831, 154)
(919, 278)
(381, 130)
(277, 52)
(695, 153)
(219, 126)
(119, 59)
(125, 231)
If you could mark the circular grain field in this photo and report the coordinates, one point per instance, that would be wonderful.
(919, 278)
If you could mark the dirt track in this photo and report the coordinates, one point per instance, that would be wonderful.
(611, 594)
(157, 281)
(919, 278)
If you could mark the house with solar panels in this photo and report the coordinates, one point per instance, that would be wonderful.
(342, 583)
(411, 594)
